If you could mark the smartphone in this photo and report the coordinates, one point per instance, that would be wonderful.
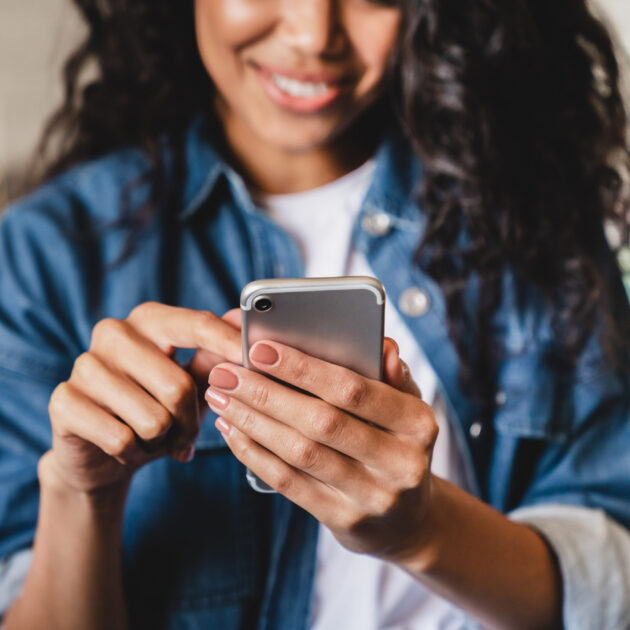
(339, 320)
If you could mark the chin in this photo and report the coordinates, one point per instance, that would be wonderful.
(300, 142)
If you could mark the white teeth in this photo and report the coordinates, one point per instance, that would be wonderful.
(299, 88)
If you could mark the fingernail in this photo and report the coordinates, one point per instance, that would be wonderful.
(223, 426)
(223, 379)
(262, 353)
(186, 454)
(215, 399)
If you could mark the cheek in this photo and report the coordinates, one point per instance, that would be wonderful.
(224, 27)
(373, 40)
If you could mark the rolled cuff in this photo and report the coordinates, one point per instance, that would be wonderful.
(13, 571)
(593, 552)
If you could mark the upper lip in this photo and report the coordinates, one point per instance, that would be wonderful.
(329, 78)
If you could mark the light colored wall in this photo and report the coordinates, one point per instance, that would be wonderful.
(35, 38)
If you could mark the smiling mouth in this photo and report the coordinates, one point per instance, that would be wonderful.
(299, 89)
(300, 92)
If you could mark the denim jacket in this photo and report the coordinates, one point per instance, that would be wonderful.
(202, 550)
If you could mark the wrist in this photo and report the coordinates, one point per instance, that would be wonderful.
(425, 552)
(110, 498)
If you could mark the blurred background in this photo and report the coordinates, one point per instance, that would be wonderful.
(35, 38)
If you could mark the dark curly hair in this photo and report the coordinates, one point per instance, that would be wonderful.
(513, 106)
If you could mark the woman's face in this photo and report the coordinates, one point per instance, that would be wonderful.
(295, 73)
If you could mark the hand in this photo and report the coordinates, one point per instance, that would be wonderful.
(127, 402)
(356, 455)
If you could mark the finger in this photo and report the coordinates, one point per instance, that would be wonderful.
(363, 397)
(204, 360)
(311, 417)
(389, 346)
(397, 374)
(233, 317)
(408, 384)
(75, 414)
(300, 488)
(391, 364)
(201, 365)
(171, 327)
(124, 349)
(297, 450)
(121, 397)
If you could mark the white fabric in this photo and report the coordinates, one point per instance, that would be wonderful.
(353, 591)
(594, 573)
(13, 571)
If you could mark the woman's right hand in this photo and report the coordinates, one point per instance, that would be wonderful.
(127, 402)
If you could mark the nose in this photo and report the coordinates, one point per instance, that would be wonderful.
(313, 27)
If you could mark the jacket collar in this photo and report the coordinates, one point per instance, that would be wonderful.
(204, 168)
(396, 175)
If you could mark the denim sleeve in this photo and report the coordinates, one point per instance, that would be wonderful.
(13, 571)
(593, 553)
(37, 342)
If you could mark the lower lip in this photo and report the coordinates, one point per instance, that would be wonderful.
(300, 104)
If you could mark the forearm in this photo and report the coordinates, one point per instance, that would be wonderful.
(502, 573)
(75, 578)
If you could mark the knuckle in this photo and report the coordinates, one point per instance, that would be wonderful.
(352, 392)
(121, 442)
(142, 311)
(260, 395)
(179, 392)
(304, 454)
(159, 425)
(433, 431)
(416, 472)
(59, 398)
(107, 330)
(425, 425)
(204, 320)
(241, 449)
(163, 420)
(248, 421)
(283, 482)
(327, 424)
(299, 370)
(84, 365)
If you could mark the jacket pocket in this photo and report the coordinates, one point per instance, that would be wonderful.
(194, 538)
(531, 400)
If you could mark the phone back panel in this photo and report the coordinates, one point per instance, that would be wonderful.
(339, 320)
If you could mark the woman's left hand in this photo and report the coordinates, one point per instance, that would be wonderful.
(356, 454)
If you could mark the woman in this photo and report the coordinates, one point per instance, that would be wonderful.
(265, 146)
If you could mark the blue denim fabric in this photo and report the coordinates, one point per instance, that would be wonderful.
(201, 549)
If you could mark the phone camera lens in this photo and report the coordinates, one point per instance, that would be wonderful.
(263, 304)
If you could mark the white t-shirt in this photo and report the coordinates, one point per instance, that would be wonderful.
(354, 591)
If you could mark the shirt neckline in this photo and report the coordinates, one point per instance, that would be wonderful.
(348, 182)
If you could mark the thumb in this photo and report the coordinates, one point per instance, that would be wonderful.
(233, 317)
(203, 361)
(396, 371)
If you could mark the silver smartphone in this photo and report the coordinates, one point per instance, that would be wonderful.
(339, 320)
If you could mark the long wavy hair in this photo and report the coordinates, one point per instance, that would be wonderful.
(513, 105)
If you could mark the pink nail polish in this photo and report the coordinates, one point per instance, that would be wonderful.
(223, 379)
(224, 427)
(216, 399)
(262, 353)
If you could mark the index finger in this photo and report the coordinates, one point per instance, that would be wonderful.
(363, 397)
(171, 327)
